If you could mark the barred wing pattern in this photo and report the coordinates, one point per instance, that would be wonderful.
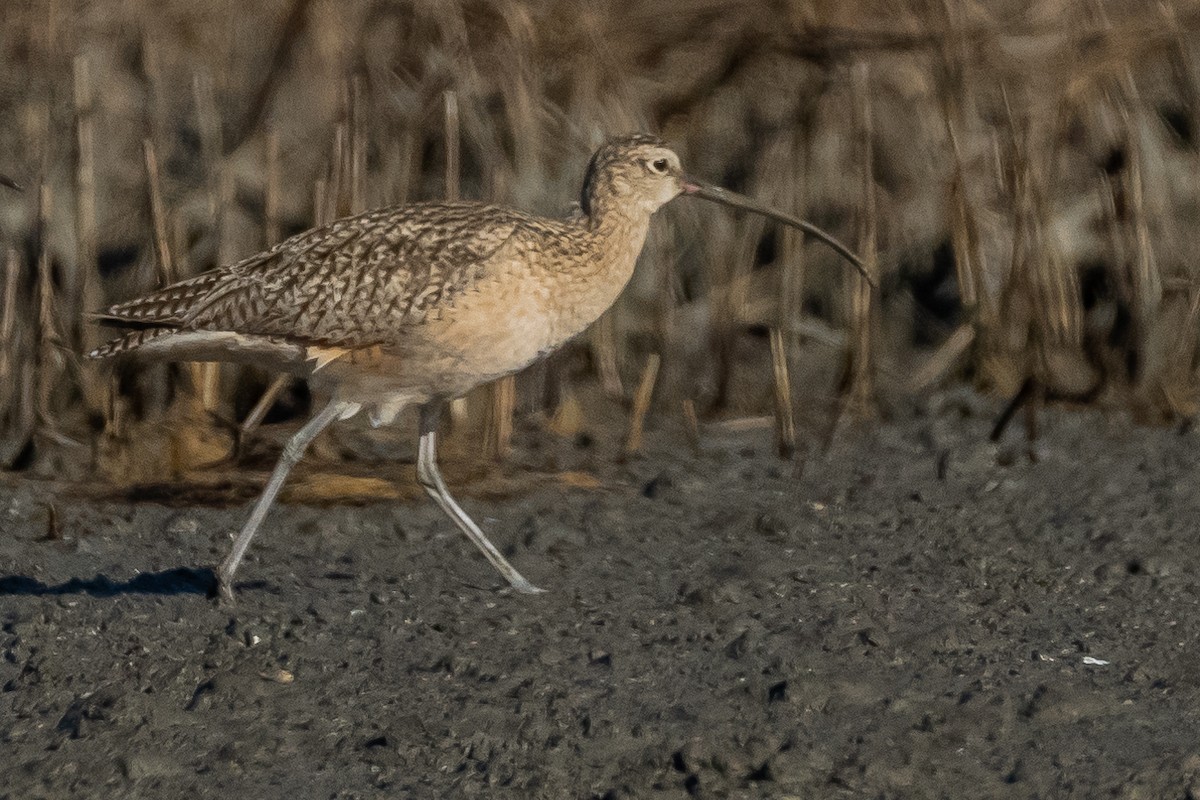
(353, 283)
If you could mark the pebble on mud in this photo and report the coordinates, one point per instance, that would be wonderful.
(277, 676)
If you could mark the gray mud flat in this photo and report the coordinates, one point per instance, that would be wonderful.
(715, 627)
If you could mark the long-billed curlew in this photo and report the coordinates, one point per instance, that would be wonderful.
(417, 304)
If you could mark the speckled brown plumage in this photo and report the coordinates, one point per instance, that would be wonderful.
(413, 305)
(362, 280)
(354, 283)
(449, 295)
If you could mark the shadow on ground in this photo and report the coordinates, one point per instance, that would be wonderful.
(181, 580)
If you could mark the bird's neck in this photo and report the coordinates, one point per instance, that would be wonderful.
(604, 249)
(616, 238)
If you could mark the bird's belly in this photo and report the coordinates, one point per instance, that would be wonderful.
(444, 358)
(495, 331)
(476, 345)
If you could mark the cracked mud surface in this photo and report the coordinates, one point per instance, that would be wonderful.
(715, 627)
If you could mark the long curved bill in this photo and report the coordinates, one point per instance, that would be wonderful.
(734, 200)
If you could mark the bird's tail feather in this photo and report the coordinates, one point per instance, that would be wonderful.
(130, 341)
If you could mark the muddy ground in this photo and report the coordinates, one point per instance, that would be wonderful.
(918, 614)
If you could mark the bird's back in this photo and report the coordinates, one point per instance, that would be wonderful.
(357, 282)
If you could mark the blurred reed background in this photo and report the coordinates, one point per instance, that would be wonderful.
(1020, 174)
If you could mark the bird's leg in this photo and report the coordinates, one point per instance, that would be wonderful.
(292, 452)
(431, 479)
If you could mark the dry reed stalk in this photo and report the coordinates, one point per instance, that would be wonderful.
(209, 126)
(691, 423)
(22, 420)
(1063, 277)
(1184, 356)
(1187, 63)
(17, 405)
(452, 139)
(521, 116)
(358, 148)
(641, 405)
(604, 344)
(85, 296)
(336, 197)
(320, 203)
(179, 243)
(657, 255)
(115, 423)
(790, 151)
(220, 199)
(785, 420)
(499, 429)
(502, 393)
(1058, 313)
(159, 123)
(50, 344)
(158, 217)
(185, 433)
(198, 373)
(270, 237)
(861, 388)
(791, 277)
(210, 371)
(271, 227)
(164, 267)
(1145, 277)
(1184, 396)
(292, 30)
(1023, 299)
(268, 398)
(1021, 287)
(451, 136)
(958, 94)
(743, 424)
(964, 231)
(938, 365)
(964, 236)
(524, 173)
(403, 166)
(732, 269)
(1041, 300)
(9, 349)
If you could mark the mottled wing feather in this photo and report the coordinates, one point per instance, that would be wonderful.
(130, 341)
(356, 282)
(168, 306)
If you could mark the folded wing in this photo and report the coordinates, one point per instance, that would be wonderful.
(357, 282)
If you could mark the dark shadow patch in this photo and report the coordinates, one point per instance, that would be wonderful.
(762, 774)
(181, 580)
(1179, 122)
(117, 258)
(96, 707)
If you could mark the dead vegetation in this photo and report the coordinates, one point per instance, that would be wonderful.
(1021, 176)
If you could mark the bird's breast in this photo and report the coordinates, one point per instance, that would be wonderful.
(522, 309)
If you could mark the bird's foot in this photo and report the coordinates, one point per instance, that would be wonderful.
(523, 586)
(225, 590)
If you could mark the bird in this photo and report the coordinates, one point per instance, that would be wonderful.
(414, 305)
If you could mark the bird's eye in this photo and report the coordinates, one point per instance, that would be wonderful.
(657, 166)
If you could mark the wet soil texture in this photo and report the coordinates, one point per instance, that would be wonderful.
(918, 614)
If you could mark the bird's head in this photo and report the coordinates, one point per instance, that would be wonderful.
(632, 175)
